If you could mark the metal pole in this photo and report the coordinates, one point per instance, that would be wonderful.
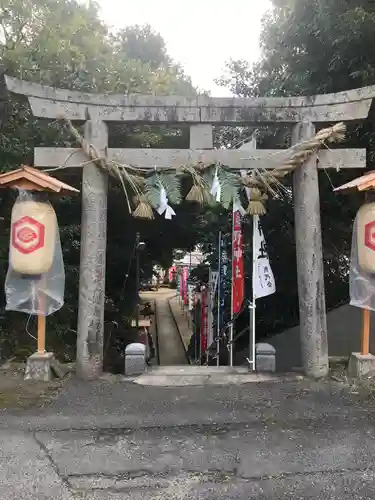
(182, 289)
(137, 281)
(250, 333)
(252, 343)
(201, 329)
(253, 336)
(231, 330)
(210, 336)
(205, 324)
(251, 359)
(196, 332)
(188, 286)
(218, 304)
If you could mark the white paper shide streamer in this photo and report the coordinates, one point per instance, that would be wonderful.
(247, 189)
(237, 207)
(164, 207)
(216, 187)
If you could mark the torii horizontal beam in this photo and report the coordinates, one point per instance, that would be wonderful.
(47, 102)
(233, 158)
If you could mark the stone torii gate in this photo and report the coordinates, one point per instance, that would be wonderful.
(201, 114)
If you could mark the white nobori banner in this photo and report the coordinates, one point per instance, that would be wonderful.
(263, 278)
(213, 283)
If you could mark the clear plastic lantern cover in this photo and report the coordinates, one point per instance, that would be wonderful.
(362, 261)
(35, 280)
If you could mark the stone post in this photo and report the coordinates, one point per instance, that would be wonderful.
(135, 359)
(312, 309)
(265, 357)
(93, 258)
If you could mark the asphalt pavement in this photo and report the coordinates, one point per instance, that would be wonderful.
(113, 439)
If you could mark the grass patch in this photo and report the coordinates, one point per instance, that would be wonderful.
(16, 393)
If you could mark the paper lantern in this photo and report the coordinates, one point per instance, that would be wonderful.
(33, 237)
(366, 237)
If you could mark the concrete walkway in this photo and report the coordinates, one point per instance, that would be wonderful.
(171, 350)
(181, 319)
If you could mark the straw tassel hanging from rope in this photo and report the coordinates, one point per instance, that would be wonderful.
(144, 209)
(258, 184)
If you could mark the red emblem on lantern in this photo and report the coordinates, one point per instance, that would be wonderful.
(370, 235)
(27, 235)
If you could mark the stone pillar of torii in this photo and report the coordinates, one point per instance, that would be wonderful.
(201, 113)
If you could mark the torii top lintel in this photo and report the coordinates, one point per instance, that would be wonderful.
(48, 102)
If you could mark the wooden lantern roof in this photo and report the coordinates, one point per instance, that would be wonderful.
(31, 179)
(363, 183)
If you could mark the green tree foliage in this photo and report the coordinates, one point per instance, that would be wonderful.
(310, 47)
(64, 43)
(142, 43)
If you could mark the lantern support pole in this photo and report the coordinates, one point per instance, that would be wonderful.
(365, 334)
(41, 334)
(41, 319)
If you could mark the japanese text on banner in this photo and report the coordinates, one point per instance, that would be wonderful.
(263, 278)
(237, 264)
(224, 289)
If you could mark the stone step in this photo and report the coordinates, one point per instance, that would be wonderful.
(174, 376)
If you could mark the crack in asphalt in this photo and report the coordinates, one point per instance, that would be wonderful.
(55, 467)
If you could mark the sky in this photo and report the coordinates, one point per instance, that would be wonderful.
(200, 34)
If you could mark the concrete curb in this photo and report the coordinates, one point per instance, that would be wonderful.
(181, 324)
(154, 332)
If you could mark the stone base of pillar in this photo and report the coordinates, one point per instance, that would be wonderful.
(361, 365)
(39, 366)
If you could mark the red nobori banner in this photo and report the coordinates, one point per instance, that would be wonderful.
(237, 264)
(204, 322)
(185, 275)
